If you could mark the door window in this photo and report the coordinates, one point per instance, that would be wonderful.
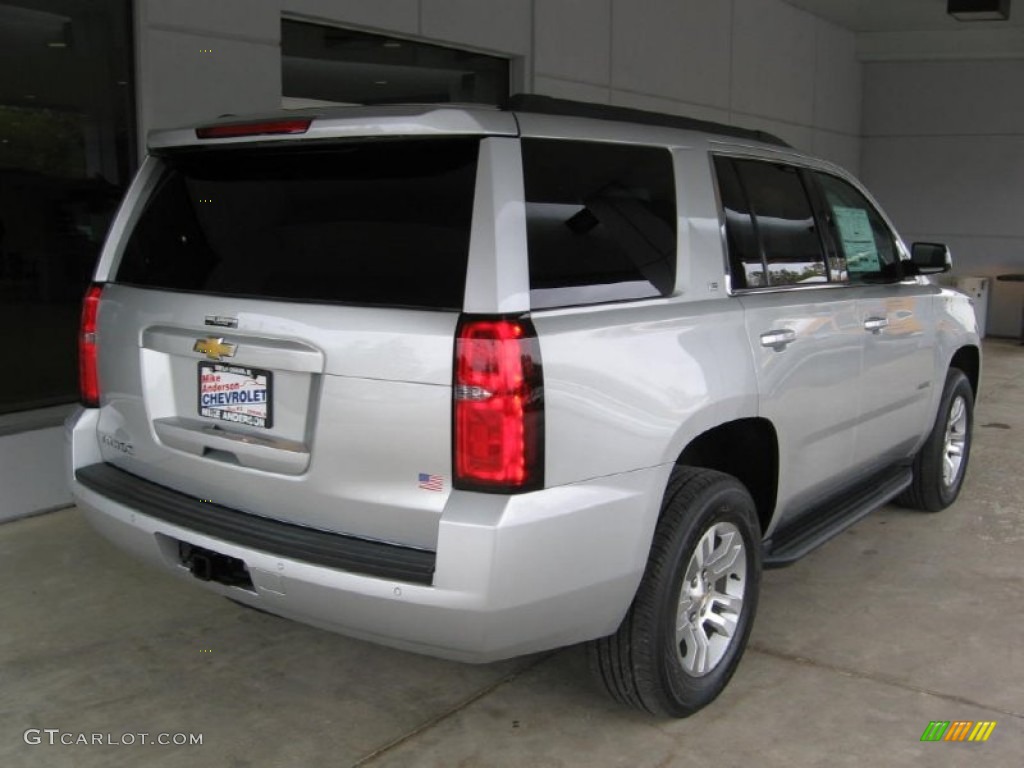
(865, 246)
(771, 232)
(746, 262)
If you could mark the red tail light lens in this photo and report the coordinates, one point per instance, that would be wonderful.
(88, 377)
(498, 406)
(262, 128)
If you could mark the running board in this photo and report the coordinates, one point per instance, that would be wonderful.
(814, 528)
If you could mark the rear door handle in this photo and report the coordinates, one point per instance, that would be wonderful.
(778, 339)
(876, 324)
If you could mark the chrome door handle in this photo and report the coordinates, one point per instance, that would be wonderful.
(876, 324)
(778, 339)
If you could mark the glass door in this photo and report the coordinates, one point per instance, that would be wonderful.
(67, 152)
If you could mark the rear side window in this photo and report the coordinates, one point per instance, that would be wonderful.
(378, 223)
(771, 231)
(600, 222)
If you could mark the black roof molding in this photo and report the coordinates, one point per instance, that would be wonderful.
(547, 105)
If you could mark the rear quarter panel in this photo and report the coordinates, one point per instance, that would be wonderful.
(627, 387)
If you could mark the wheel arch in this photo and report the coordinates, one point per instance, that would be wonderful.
(747, 449)
(968, 360)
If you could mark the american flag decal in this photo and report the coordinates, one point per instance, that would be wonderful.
(431, 482)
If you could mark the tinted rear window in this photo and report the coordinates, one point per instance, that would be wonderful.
(600, 221)
(380, 223)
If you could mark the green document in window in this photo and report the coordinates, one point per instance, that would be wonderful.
(858, 239)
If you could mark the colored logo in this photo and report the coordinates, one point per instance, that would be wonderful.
(958, 730)
(431, 482)
(215, 349)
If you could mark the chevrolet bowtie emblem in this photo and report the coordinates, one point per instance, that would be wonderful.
(215, 349)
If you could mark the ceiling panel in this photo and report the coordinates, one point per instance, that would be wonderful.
(902, 15)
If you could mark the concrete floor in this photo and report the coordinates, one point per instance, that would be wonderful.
(904, 619)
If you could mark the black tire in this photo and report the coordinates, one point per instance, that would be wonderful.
(930, 491)
(641, 664)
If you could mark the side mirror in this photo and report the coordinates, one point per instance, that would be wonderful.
(931, 258)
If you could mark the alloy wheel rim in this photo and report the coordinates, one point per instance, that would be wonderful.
(711, 599)
(956, 441)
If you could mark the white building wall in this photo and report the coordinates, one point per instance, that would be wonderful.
(757, 63)
(943, 151)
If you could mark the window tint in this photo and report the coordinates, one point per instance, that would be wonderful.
(784, 221)
(864, 243)
(600, 222)
(745, 263)
(382, 223)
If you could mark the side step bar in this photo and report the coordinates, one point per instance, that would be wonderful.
(814, 528)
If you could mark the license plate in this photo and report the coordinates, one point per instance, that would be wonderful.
(236, 394)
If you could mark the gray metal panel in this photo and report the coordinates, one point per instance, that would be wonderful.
(498, 276)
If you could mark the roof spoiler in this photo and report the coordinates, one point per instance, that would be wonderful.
(547, 105)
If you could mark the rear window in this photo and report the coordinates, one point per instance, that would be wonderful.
(600, 221)
(380, 223)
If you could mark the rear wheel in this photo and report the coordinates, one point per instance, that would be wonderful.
(683, 637)
(940, 465)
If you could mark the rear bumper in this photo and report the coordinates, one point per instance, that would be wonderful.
(347, 553)
(512, 574)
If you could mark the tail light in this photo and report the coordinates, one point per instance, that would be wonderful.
(261, 128)
(88, 378)
(498, 435)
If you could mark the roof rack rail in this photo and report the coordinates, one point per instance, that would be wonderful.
(548, 105)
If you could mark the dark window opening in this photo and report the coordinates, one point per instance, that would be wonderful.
(67, 136)
(771, 231)
(381, 223)
(746, 262)
(330, 64)
(600, 222)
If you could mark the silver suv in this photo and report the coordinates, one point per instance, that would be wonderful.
(477, 383)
